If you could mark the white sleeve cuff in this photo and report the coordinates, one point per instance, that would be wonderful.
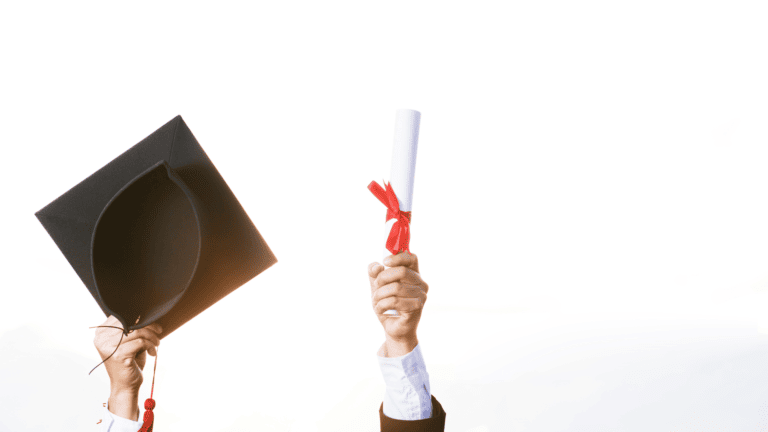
(408, 395)
(114, 423)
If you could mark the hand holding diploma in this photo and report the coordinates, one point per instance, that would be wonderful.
(399, 288)
(397, 195)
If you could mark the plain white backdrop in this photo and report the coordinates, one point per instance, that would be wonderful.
(590, 207)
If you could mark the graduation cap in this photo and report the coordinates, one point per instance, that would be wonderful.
(156, 235)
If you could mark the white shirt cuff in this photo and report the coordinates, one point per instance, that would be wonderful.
(408, 395)
(114, 423)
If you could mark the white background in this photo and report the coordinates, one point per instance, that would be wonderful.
(590, 207)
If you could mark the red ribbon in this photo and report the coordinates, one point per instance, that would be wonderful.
(400, 235)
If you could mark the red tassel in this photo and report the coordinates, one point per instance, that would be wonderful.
(149, 416)
(149, 405)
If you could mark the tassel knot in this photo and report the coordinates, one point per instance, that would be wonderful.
(149, 416)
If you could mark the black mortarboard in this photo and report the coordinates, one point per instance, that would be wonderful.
(157, 235)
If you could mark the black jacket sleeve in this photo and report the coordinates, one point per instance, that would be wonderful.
(436, 423)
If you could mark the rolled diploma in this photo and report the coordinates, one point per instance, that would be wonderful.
(403, 168)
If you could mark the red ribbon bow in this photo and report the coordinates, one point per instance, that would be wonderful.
(400, 235)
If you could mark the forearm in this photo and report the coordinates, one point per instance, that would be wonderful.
(124, 403)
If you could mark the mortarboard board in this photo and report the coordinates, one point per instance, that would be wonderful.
(157, 235)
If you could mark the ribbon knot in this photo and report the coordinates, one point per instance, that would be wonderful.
(400, 234)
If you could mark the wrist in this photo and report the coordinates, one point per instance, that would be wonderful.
(397, 347)
(124, 402)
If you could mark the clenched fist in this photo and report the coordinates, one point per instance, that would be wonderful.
(125, 366)
(401, 288)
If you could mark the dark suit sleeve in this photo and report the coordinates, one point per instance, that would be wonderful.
(436, 423)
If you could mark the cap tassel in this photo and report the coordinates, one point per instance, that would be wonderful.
(149, 416)
(149, 404)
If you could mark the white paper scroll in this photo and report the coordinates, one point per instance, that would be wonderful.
(403, 168)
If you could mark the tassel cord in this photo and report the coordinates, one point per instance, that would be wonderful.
(113, 352)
